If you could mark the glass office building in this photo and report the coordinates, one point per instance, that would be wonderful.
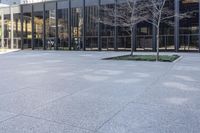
(70, 25)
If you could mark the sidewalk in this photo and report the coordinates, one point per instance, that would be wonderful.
(5, 51)
(78, 92)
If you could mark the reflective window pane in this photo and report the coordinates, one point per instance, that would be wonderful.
(27, 26)
(189, 26)
(50, 21)
(63, 29)
(38, 26)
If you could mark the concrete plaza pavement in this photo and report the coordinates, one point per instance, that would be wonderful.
(77, 92)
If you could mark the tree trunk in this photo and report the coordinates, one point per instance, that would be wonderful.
(157, 43)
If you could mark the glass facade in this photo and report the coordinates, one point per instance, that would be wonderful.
(63, 25)
(74, 25)
(91, 25)
(27, 27)
(167, 30)
(16, 30)
(107, 31)
(189, 27)
(38, 26)
(50, 26)
(77, 24)
(16, 27)
(7, 31)
(144, 37)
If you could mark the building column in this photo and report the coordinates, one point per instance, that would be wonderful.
(22, 28)
(84, 27)
(99, 26)
(154, 39)
(2, 30)
(12, 28)
(134, 46)
(199, 27)
(44, 27)
(69, 26)
(115, 30)
(176, 26)
(56, 40)
(33, 29)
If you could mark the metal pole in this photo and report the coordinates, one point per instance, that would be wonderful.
(12, 27)
(134, 38)
(70, 33)
(44, 27)
(22, 28)
(33, 29)
(176, 26)
(99, 26)
(199, 26)
(154, 39)
(2, 36)
(56, 41)
(115, 32)
(84, 29)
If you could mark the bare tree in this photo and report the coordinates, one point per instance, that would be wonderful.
(126, 14)
(156, 13)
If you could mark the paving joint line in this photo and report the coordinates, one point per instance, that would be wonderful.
(11, 92)
(115, 114)
(60, 123)
(60, 98)
(9, 118)
(160, 77)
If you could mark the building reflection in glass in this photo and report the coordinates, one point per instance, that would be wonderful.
(63, 25)
(27, 26)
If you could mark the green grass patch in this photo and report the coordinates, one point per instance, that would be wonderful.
(162, 58)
